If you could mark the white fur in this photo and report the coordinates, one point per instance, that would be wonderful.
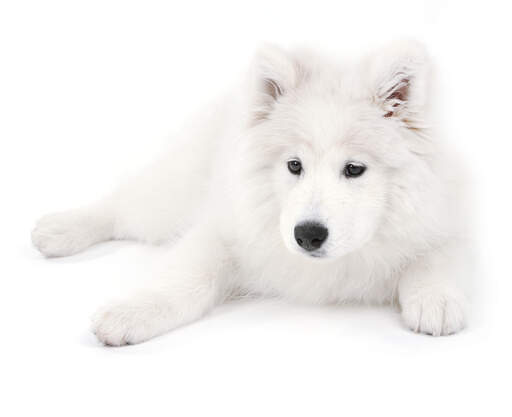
(224, 189)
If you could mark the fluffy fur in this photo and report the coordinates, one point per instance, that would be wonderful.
(225, 191)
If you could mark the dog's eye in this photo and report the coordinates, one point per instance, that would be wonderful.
(353, 170)
(294, 166)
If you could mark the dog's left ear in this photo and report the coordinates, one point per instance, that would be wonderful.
(274, 74)
(400, 76)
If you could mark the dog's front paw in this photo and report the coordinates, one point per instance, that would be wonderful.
(66, 233)
(436, 313)
(130, 322)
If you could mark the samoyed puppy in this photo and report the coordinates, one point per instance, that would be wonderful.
(315, 180)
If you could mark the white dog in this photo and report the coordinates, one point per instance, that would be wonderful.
(315, 180)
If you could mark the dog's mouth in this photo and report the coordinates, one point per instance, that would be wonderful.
(317, 254)
(320, 254)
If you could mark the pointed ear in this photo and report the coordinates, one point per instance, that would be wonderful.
(400, 78)
(274, 74)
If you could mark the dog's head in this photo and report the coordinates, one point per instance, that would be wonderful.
(333, 138)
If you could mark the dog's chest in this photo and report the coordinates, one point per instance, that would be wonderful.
(315, 282)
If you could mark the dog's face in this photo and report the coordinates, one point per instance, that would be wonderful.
(337, 140)
(331, 176)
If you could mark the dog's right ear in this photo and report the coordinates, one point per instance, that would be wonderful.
(274, 74)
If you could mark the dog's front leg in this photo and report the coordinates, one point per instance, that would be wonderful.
(192, 282)
(430, 293)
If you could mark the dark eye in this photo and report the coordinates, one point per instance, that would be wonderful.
(353, 170)
(294, 166)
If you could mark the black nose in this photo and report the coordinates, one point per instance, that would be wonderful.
(310, 235)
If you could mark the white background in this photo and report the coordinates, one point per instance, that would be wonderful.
(91, 89)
